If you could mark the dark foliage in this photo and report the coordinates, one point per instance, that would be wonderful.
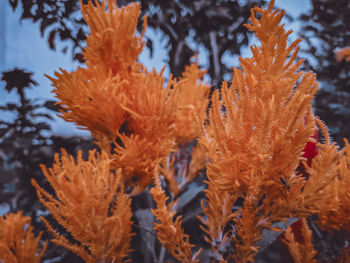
(61, 20)
(326, 28)
(23, 144)
(26, 141)
(214, 25)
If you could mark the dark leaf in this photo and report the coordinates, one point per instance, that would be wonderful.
(42, 126)
(64, 34)
(17, 79)
(81, 35)
(27, 9)
(51, 39)
(12, 107)
(149, 44)
(13, 4)
(45, 23)
(80, 57)
(52, 105)
(44, 115)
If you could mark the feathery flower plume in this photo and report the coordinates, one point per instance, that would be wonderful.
(256, 143)
(334, 207)
(218, 211)
(169, 231)
(112, 42)
(90, 204)
(114, 90)
(151, 123)
(17, 241)
(322, 172)
(302, 252)
(92, 102)
(92, 96)
(192, 101)
(268, 119)
(248, 230)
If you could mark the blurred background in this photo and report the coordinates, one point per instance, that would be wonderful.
(38, 37)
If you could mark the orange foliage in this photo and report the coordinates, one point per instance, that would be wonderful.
(252, 145)
(152, 118)
(268, 118)
(255, 146)
(92, 97)
(219, 214)
(192, 101)
(334, 208)
(115, 89)
(301, 252)
(17, 241)
(169, 231)
(90, 204)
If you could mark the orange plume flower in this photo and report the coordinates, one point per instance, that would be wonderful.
(169, 231)
(301, 251)
(268, 119)
(151, 123)
(112, 43)
(257, 131)
(90, 204)
(192, 102)
(334, 207)
(92, 97)
(114, 90)
(17, 241)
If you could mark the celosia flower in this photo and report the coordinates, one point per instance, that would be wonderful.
(17, 241)
(138, 157)
(112, 43)
(115, 89)
(151, 124)
(334, 207)
(169, 230)
(268, 117)
(92, 102)
(301, 248)
(256, 144)
(90, 203)
(92, 97)
(192, 101)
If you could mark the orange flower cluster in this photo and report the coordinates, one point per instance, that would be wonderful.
(115, 89)
(256, 144)
(17, 241)
(334, 207)
(90, 204)
(268, 118)
(192, 102)
(169, 231)
(111, 91)
(301, 252)
(93, 97)
(252, 145)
